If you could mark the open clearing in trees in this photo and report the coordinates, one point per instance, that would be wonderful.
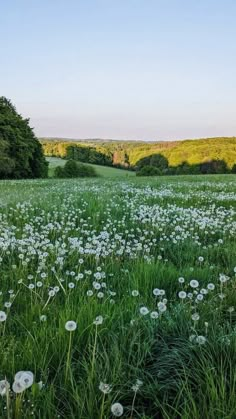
(117, 298)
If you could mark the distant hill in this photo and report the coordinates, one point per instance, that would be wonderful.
(128, 153)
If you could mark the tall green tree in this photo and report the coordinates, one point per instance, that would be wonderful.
(21, 154)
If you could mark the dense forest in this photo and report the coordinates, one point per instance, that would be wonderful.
(21, 154)
(219, 153)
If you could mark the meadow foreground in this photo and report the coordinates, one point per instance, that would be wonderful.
(118, 298)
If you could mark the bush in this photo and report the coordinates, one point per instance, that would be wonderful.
(73, 170)
(148, 171)
(234, 168)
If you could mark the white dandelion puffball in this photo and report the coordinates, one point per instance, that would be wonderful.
(26, 378)
(70, 326)
(135, 293)
(117, 409)
(3, 316)
(98, 320)
(194, 283)
(154, 315)
(4, 387)
(182, 294)
(195, 317)
(201, 340)
(17, 387)
(144, 311)
(161, 307)
(105, 388)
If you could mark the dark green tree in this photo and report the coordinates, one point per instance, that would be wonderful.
(21, 154)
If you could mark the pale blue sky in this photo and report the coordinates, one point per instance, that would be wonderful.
(130, 69)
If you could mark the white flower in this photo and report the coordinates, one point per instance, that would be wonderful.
(201, 258)
(156, 291)
(154, 315)
(89, 293)
(195, 317)
(161, 307)
(201, 340)
(194, 283)
(98, 320)
(211, 286)
(182, 294)
(143, 311)
(3, 316)
(25, 378)
(43, 318)
(181, 280)
(135, 293)
(137, 385)
(70, 325)
(117, 409)
(4, 387)
(17, 387)
(71, 285)
(105, 388)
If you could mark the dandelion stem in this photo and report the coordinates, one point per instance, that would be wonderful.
(94, 350)
(68, 356)
(102, 408)
(132, 408)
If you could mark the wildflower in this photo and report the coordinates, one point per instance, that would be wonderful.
(98, 320)
(43, 318)
(25, 378)
(154, 315)
(161, 307)
(70, 326)
(201, 340)
(181, 280)
(89, 293)
(117, 409)
(71, 285)
(143, 311)
(194, 283)
(105, 388)
(4, 387)
(3, 316)
(135, 293)
(211, 286)
(156, 291)
(137, 385)
(182, 294)
(201, 259)
(195, 317)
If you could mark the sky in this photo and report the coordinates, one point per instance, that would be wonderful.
(122, 69)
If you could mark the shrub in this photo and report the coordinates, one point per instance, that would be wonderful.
(72, 169)
(234, 168)
(148, 171)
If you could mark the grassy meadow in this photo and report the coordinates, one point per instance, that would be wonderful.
(119, 296)
(102, 171)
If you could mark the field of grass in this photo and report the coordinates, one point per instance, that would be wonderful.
(144, 271)
(103, 171)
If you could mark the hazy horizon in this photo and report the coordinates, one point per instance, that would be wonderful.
(136, 70)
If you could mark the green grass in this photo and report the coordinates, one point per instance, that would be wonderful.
(117, 237)
(103, 171)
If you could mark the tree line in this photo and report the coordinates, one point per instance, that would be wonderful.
(21, 154)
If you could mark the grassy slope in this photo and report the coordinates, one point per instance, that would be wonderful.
(103, 171)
